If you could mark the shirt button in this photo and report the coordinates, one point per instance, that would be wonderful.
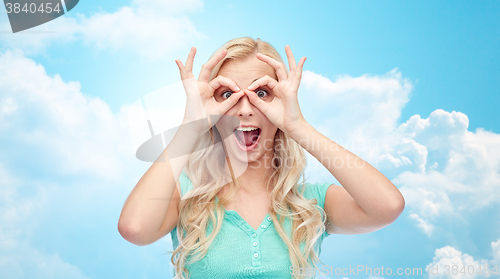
(268, 218)
(255, 244)
(255, 255)
(263, 226)
(254, 235)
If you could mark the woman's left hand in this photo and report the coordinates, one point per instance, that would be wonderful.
(283, 111)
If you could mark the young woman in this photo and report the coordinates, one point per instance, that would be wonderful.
(244, 212)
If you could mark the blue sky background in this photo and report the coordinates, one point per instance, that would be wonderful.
(418, 79)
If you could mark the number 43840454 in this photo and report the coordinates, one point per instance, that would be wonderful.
(32, 8)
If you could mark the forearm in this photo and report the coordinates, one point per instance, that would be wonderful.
(146, 207)
(374, 193)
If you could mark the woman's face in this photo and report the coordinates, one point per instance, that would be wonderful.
(254, 137)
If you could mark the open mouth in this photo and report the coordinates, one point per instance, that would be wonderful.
(247, 137)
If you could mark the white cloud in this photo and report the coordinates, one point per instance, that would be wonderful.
(8, 107)
(152, 35)
(63, 127)
(449, 262)
(26, 262)
(65, 156)
(495, 247)
(406, 149)
(423, 198)
(359, 113)
(35, 40)
(150, 28)
(18, 259)
(441, 168)
(463, 172)
(423, 224)
(358, 108)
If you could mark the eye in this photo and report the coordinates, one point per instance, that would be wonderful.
(261, 93)
(226, 94)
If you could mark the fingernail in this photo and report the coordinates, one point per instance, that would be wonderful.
(237, 88)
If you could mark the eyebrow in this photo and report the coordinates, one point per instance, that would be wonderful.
(250, 82)
(259, 78)
(253, 80)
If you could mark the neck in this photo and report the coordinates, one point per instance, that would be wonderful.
(253, 176)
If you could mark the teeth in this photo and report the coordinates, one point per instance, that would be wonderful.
(246, 129)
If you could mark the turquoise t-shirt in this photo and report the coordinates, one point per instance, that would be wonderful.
(240, 251)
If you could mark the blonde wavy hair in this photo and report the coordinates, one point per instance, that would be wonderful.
(207, 171)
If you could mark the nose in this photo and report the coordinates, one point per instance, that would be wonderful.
(244, 107)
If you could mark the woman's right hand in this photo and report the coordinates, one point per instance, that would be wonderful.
(200, 103)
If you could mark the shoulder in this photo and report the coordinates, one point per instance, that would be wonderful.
(315, 191)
